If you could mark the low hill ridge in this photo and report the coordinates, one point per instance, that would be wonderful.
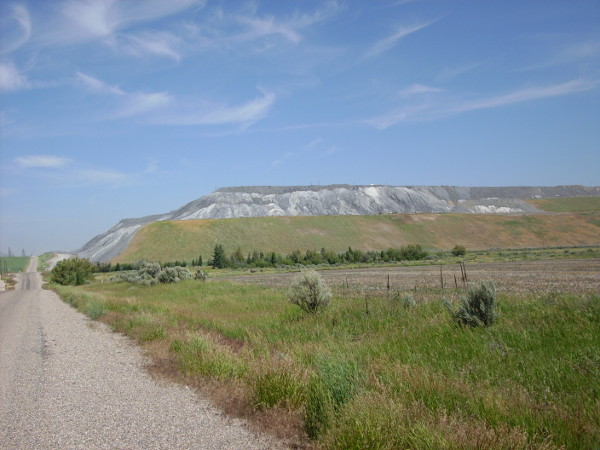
(261, 201)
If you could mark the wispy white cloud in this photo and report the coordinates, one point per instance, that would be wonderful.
(387, 43)
(289, 28)
(219, 114)
(418, 89)
(435, 110)
(41, 161)
(129, 103)
(142, 103)
(533, 93)
(18, 29)
(98, 86)
(169, 111)
(11, 79)
(152, 166)
(66, 172)
(397, 116)
(94, 19)
(151, 43)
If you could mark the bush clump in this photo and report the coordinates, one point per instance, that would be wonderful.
(477, 308)
(406, 300)
(201, 275)
(309, 292)
(174, 274)
(73, 271)
(150, 274)
(459, 250)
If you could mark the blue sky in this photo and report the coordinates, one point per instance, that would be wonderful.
(124, 108)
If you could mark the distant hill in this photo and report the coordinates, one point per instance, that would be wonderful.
(336, 200)
(186, 240)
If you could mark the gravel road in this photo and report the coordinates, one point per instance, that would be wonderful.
(68, 382)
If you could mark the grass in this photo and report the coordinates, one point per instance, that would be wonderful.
(386, 377)
(568, 204)
(186, 240)
(12, 264)
(43, 260)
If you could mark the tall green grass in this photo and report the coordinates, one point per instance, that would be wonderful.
(392, 377)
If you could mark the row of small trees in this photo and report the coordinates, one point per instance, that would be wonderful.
(256, 259)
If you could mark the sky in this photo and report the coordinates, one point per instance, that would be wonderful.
(124, 108)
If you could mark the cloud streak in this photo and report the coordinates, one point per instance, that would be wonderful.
(159, 44)
(163, 109)
(289, 29)
(418, 89)
(534, 93)
(41, 161)
(435, 110)
(19, 33)
(11, 79)
(129, 103)
(96, 19)
(66, 172)
(387, 43)
(219, 114)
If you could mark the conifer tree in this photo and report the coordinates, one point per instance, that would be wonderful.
(219, 260)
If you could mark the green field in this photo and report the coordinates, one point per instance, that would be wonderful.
(371, 373)
(11, 264)
(186, 240)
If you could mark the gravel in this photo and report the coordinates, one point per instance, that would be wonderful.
(68, 382)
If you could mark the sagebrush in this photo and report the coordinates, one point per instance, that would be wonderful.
(477, 307)
(309, 292)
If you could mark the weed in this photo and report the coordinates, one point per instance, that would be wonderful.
(202, 356)
(277, 387)
(94, 309)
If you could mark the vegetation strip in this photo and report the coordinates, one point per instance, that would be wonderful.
(385, 370)
(184, 240)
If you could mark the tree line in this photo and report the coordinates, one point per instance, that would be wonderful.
(261, 259)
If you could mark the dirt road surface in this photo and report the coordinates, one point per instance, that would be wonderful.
(68, 382)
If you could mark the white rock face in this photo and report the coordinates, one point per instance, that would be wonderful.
(258, 201)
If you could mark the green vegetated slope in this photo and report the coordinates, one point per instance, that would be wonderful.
(185, 240)
(13, 263)
(568, 204)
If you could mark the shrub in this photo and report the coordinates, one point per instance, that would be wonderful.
(173, 274)
(309, 292)
(148, 269)
(459, 250)
(73, 271)
(412, 252)
(150, 274)
(201, 275)
(407, 300)
(477, 308)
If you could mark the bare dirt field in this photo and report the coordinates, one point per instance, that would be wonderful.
(571, 275)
